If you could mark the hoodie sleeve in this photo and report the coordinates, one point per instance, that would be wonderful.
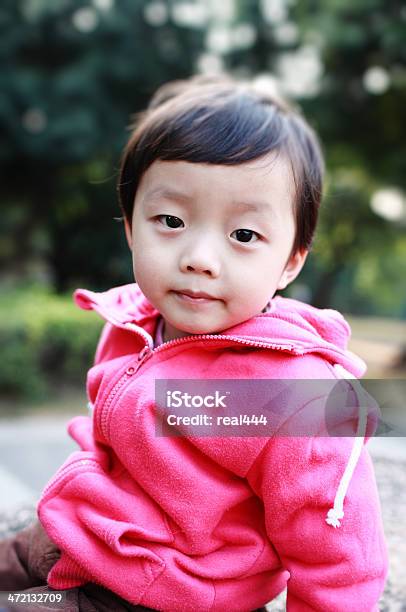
(332, 567)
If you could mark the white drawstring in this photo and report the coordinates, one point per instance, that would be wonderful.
(336, 513)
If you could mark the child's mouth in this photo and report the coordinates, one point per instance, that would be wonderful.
(191, 298)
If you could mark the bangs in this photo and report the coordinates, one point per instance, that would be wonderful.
(232, 131)
(224, 123)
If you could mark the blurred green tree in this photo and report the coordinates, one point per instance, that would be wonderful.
(72, 74)
(344, 62)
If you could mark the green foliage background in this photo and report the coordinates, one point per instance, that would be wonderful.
(46, 342)
(74, 71)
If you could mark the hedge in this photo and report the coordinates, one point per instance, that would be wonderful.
(46, 342)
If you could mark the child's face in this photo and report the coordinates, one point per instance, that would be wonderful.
(225, 231)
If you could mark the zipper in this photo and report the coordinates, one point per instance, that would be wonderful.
(147, 352)
(233, 339)
(102, 419)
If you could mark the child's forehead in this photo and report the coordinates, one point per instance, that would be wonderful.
(270, 173)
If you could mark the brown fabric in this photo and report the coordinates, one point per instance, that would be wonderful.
(89, 598)
(26, 559)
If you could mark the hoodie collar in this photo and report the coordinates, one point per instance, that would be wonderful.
(289, 324)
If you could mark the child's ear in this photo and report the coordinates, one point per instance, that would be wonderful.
(128, 234)
(292, 268)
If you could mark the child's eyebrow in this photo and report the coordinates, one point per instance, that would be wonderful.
(254, 206)
(172, 194)
(166, 192)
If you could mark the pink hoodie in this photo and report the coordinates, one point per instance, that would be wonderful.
(199, 524)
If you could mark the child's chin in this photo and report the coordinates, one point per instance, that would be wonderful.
(201, 331)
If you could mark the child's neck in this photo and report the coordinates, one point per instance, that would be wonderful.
(170, 333)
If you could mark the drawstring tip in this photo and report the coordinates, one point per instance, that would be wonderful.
(333, 517)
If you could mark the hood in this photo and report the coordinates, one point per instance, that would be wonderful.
(292, 325)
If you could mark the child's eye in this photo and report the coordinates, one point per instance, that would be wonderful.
(245, 235)
(170, 221)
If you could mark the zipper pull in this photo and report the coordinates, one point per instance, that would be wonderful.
(144, 354)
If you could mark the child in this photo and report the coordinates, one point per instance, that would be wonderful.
(220, 187)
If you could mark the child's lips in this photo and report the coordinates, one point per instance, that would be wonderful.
(195, 298)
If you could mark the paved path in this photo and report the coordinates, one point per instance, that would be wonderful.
(31, 450)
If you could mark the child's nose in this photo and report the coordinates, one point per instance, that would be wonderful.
(199, 258)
